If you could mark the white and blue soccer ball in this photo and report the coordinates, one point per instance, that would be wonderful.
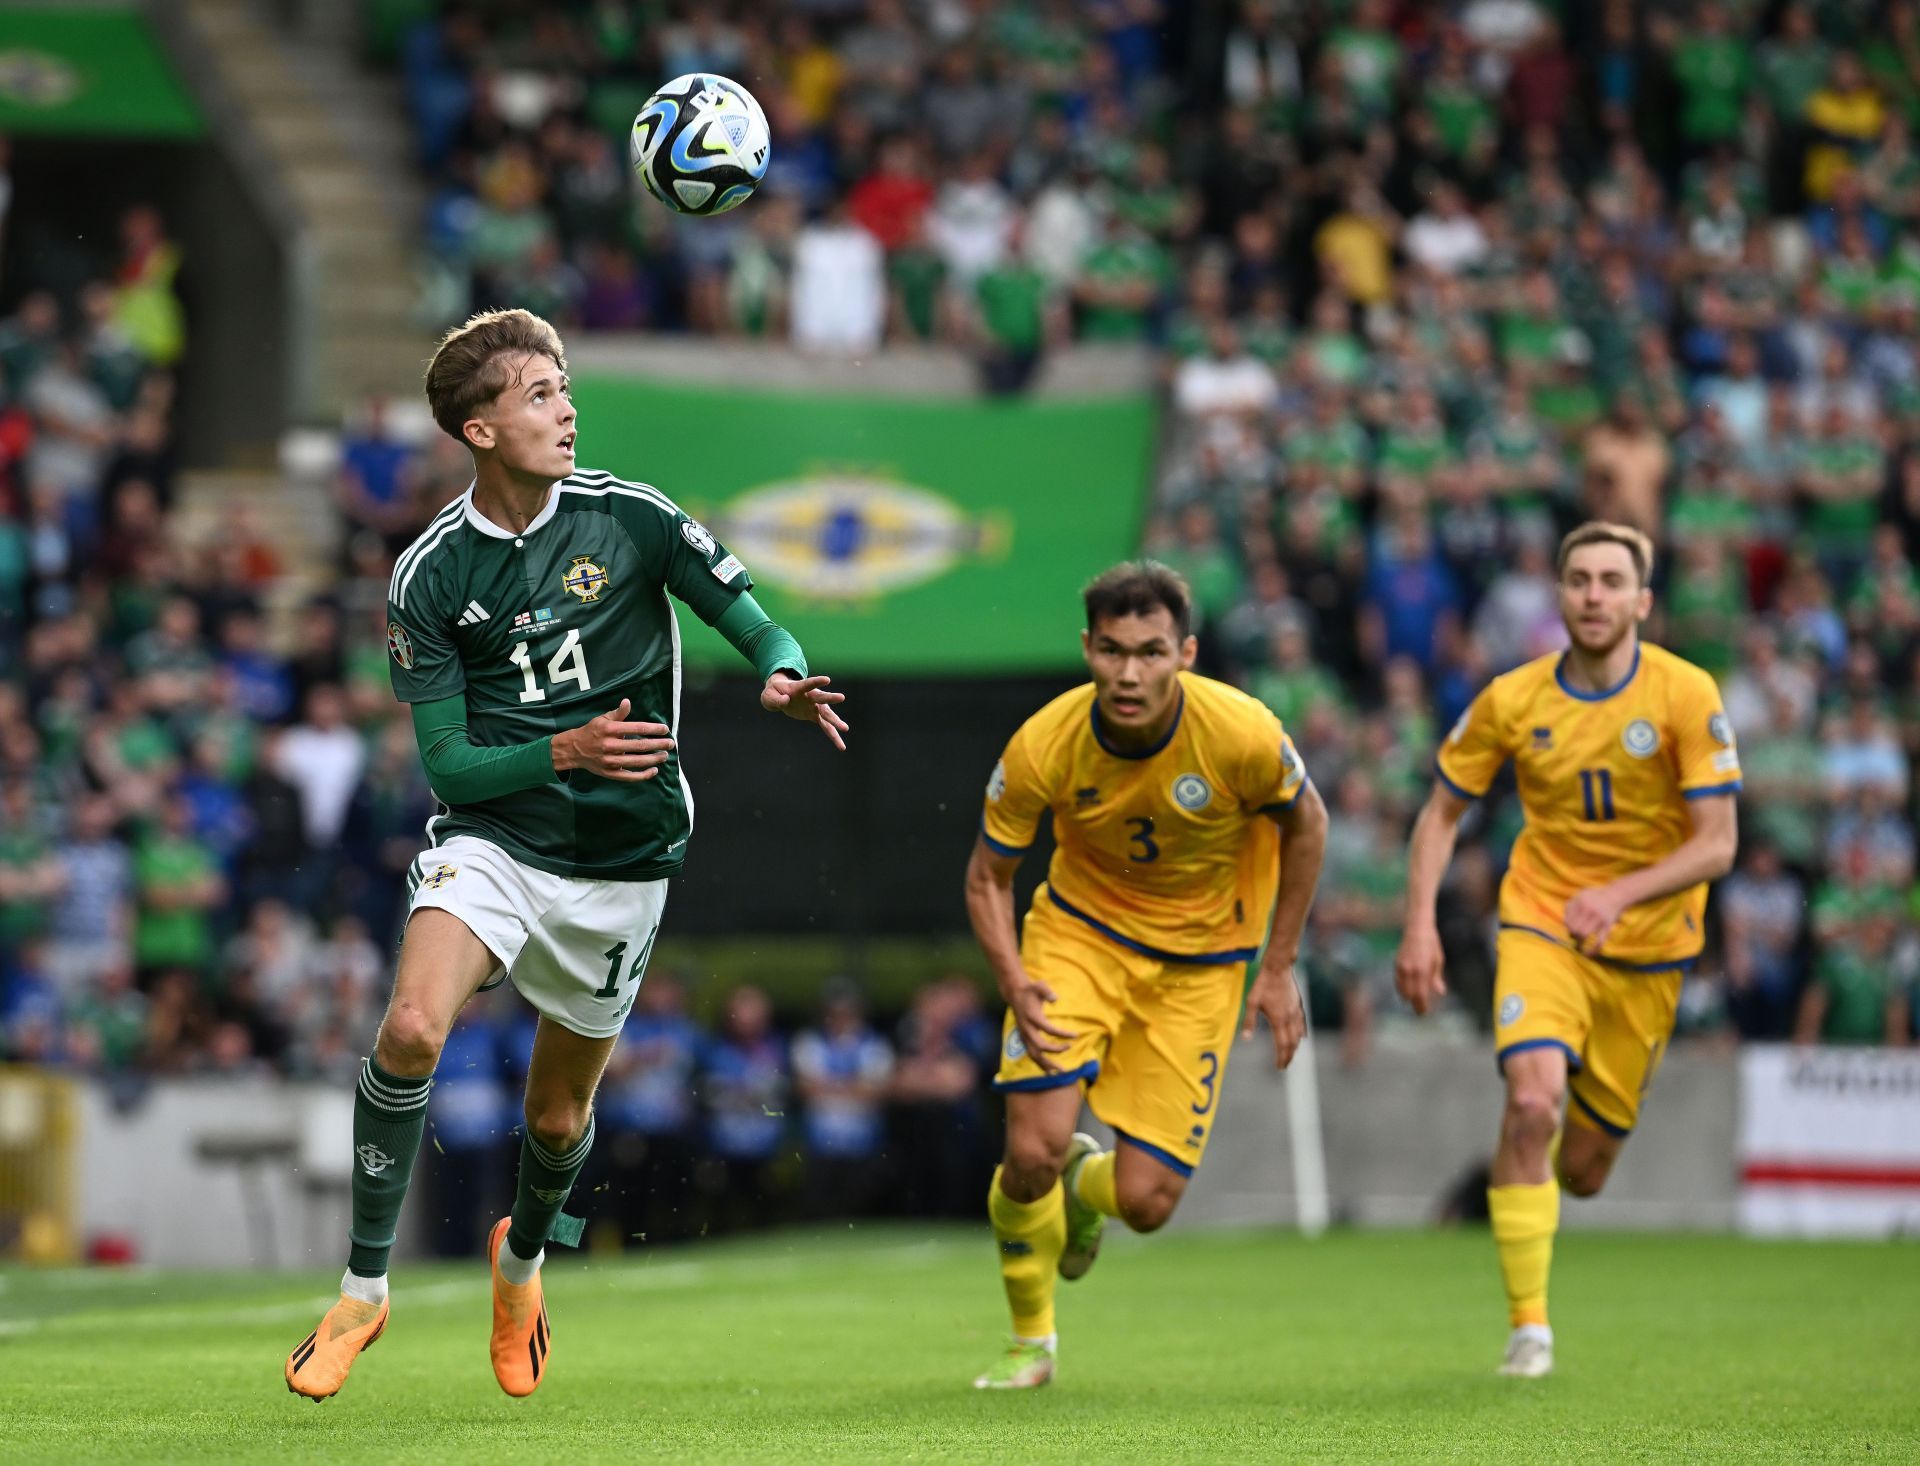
(701, 144)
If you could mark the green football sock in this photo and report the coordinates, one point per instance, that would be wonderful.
(545, 1180)
(389, 1116)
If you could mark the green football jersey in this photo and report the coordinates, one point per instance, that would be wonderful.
(547, 628)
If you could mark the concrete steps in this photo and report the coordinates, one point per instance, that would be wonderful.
(339, 141)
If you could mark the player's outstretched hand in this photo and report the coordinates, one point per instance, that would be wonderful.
(1276, 997)
(1028, 1002)
(807, 699)
(1419, 969)
(613, 748)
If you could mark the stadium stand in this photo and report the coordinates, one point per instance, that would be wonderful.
(1419, 302)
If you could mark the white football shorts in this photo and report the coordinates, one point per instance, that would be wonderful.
(575, 949)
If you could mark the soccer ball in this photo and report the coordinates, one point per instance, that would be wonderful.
(701, 144)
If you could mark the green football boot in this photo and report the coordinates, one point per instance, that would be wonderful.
(1084, 1224)
(1022, 1367)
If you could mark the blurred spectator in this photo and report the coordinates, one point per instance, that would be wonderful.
(1226, 381)
(839, 290)
(947, 1048)
(146, 307)
(373, 490)
(841, 1072)
(323, 758)
(471, 1116)
(743, 1088)
(1763, 911)
(1626, 463)
(90, 929)
(180, 889)
(1862, 982)
(1444, 237)
(31, 871)
(262, 684)
(1410, 592)
(647, 1104)
(1020, 314)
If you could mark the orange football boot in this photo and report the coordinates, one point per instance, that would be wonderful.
(522, 1337)
(318, 1365)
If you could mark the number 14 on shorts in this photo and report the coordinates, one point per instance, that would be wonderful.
(616, 956)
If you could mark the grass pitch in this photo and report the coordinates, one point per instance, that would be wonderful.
(859, 1345)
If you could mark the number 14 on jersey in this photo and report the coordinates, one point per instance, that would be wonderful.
(568, 664)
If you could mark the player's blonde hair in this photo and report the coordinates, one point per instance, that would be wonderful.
(470, 365)
(1599, 532)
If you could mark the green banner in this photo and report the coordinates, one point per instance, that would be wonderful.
(892, 535)
(93, 71)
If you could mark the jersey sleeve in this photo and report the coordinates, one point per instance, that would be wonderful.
(1016, 798)
(694, 566)
(1703, 738)
(1273, 773)
(421, 656)
(1476, 748)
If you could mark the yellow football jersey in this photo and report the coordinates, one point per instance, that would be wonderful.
(1604, 782)
(1170, 851)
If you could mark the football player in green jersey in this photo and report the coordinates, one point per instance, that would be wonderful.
(530, 628)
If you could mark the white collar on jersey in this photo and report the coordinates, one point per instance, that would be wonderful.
(487, 527)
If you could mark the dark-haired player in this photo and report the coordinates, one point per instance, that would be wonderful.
(1174, 798)
(531, 630)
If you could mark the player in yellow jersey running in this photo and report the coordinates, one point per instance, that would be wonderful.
(1173, 799)
(1627, 771)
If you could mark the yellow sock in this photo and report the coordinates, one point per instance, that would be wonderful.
(1032, 1235)
(1524, 1221)
(1094, 1185)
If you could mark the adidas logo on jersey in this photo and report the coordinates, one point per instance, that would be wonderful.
(474, 614)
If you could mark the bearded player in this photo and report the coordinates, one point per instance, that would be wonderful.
(531, 630)
(1173, 798)
(1627, 771)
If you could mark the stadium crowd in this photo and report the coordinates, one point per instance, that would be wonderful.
(1429, 283)
(1424, 290)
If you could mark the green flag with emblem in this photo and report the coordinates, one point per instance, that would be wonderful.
(892, 535)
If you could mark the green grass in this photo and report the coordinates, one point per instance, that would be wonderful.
(858, 1345)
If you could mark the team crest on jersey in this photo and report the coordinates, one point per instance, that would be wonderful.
(1641, 739)
(696, 534)
(1720, 730)
(400, 644)
(997, 780)
(584, 578)
(1543, 740)
(1511, 1007)
(1016, 1046)
(1190, 791)
(439, 876)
